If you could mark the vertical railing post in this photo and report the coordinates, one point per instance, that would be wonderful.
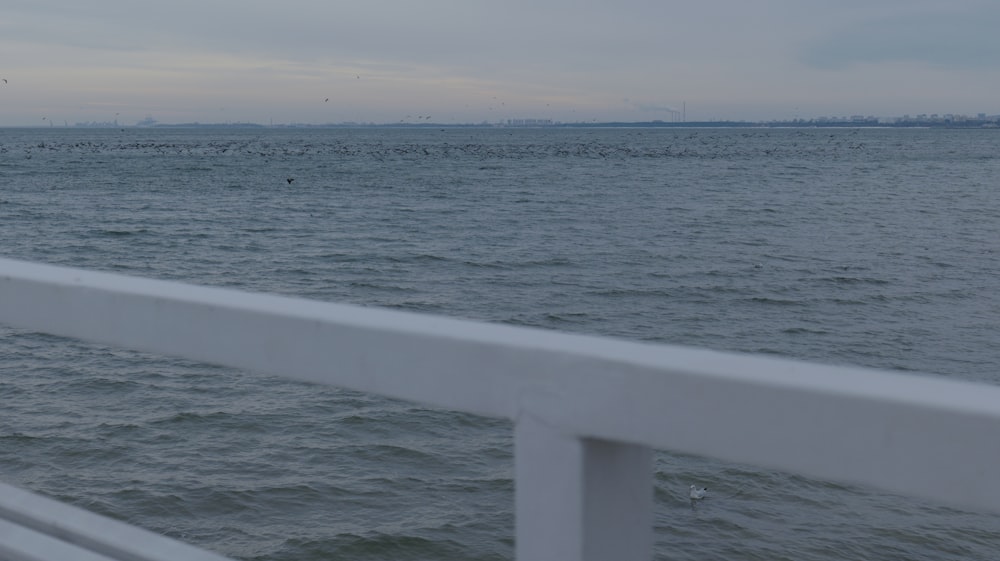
(580, 499)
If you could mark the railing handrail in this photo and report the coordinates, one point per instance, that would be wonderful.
(898, 432)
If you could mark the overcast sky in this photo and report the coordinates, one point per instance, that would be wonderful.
(469, 61)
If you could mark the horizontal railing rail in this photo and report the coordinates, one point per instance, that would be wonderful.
(35, 528)
(587, 410)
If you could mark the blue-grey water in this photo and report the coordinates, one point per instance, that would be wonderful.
(871, 247)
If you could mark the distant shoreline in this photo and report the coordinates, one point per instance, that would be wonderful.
(990, 122)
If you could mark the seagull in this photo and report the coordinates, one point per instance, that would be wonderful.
(325, 100)
(698, 493)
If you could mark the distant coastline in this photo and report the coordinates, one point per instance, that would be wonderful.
(919, 121)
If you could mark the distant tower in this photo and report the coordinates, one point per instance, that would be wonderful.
(684, 111)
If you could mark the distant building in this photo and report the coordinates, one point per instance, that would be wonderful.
(529, 122)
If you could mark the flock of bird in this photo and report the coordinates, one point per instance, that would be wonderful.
(701, 145)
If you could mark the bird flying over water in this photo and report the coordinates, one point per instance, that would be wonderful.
(290, 179)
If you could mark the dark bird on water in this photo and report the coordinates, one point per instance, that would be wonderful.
(290, 179)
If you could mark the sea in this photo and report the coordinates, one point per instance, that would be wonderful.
(872, 247)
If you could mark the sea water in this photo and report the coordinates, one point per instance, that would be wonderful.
(866, 247)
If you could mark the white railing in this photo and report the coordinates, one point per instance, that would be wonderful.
(587, 410)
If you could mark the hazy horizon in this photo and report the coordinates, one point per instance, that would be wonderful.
(389, 61)
(943, 119)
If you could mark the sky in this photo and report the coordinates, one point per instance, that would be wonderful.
(470, 61)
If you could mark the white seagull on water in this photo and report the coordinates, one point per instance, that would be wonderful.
(698, 493)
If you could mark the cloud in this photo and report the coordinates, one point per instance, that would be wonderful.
(653, 107)
(480, 60)
(960, 38)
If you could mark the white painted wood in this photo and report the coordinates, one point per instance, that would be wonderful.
(618, 501)
(580, 498)
(29, 516)
(34, 525)
(18, 543)
(596, 404)
(919, 435)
